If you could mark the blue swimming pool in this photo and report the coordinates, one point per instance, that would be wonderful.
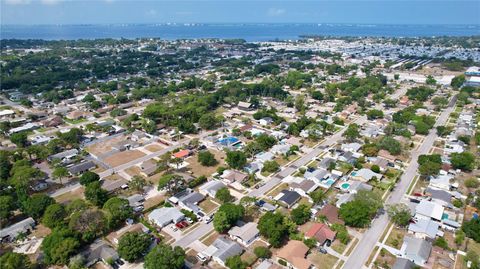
(345, 186)
(354, 174)
(228, 140)
(328, 182)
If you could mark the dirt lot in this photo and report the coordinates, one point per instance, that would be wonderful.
(104, 146)
(71, 195)
(200, 170)
(322, 261)
(41, 231)
(154, 147)
(123, 157)
(208, 205)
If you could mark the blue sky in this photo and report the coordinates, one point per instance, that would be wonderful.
(230, 11)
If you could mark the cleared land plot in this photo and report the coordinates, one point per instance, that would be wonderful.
(395, 239)
(71, 195)
(208, 205)
(154, 147)
(322, 261)
(104, 146)
(123, 157)
(200, 170)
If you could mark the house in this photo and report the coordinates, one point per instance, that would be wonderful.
(114, 237)
(265, 206)
(344, 198)
(190, 201)
(253, 167)
(81, 168)
(280, 149)
(265, 121)
(76, 115)
(221, 249)
(135, 200)
(27, 127)
(244, 234)
(294, 253)
(53, 122)
(64, 157)
(416, 250)
(322, 233)
(165, 215)
(331, 214)
(441, 197)
(268, 264)
(353, 147)
(424, 228)
(124, 145)
(365, 175)
(288, 198)
(232, 176)
(304, 187)
(211, 187)
(244, 106)
(441, 182)
(182, 154)
(402, 263)
(264, 156)
(138, 135)
(429, 210)
(11, 232)
(40, 140)
(148, 168)
(99, 251)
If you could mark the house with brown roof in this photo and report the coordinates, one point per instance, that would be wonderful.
(331, 213)
(322, 233)
(232, 176)
(294, 253)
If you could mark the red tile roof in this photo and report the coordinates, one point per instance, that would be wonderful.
(182, 153)
(321, 232)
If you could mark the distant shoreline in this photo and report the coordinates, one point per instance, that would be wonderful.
(249, 31)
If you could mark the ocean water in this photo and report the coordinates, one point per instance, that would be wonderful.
(249, 32)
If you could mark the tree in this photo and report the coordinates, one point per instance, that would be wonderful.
(236, 159)
(207, 121)
(133, 245)
(235, 262)
(165, 257)
(272, 226)
(20, 139)
(342, 233)
(89, 177)
(429, 168)
(370, 149)
(58, 246)
(13, 260)
(227, 215)
(36, 205)
(7, 205)
(301, 214)
(464, 161)
(95, 194)
(472, 229)
(391, 145)
(374, 114)
(458, 81)
(472, 183)
(360, 211)
(352, 132)
(223, 195)
(430, 80)
(54, 216)
(262, 252)
(137, 183)
(90, 223)
(60, 173)
(400, 214)
(206, 158)
(317, 196)
(270, 166)
(375, 168)
(443, 131)
(118, 210)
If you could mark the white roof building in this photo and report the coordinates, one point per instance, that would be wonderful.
(429, 210)
(165, 215)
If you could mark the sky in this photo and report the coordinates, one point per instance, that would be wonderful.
(28, 12)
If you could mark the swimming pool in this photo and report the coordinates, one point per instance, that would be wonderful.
(444, 216)
(228, 140)
(328, 182)
(345, 186)
(354, 174)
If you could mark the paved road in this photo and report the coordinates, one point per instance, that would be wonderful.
(366, 245)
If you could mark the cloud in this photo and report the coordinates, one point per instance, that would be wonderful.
(49, 2)
(275, 12)
(17, 2)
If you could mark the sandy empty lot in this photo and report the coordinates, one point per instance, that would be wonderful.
(104, 146)
(123, 157)
(200, 170)
(154, 147)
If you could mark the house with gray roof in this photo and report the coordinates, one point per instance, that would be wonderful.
(221, 249)
(165, 215)
(424, 228)
(288, 198)
(416, 250)
(11, 232)
(211, 187)
(402, 263)
(245, 233)
(365, 175)
(64, 156)
(99, 251)
(81, 168)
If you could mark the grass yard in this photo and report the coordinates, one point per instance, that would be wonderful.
(209, 238)
(322, 261)
(154, 147)
(123, 157)
(395, 239)
(208, 205)
(277, 190)
(249, 257)
(71, 195)
(338, 246)
(384, 260)
(200, 170)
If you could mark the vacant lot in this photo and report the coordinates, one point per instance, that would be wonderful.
(104, 146)
(322, 261)
(71, 195)
(208, 205)
(154, 147)
(123, 157)
(200, 170)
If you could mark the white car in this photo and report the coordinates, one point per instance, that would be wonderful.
(207, 219)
